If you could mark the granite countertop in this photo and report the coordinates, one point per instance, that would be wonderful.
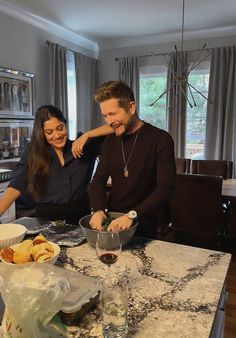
(174, 290)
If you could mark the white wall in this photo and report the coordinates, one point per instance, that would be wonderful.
(109, 67)
(23, 48)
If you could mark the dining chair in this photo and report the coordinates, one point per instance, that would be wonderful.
(182, 165)
(196, 211)
(231, 223)
(213, 167)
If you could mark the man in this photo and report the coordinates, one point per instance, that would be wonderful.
(140, 160)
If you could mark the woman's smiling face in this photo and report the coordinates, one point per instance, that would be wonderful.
(55, 133)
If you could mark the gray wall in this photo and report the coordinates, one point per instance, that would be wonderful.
(23, 48)
(109, 67)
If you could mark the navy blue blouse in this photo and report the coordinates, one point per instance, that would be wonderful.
(65, 184)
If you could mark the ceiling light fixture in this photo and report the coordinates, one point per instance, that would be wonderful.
(181, 81)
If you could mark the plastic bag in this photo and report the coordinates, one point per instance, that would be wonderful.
(33, 294)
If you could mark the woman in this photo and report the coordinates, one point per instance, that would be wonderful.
(52, 169)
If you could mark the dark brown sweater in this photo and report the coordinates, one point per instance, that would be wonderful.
(152, 172)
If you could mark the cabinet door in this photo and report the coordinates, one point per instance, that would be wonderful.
(10, 214)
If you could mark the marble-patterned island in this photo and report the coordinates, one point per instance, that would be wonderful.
(175, 291)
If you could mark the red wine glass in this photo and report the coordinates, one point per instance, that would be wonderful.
(108, 247)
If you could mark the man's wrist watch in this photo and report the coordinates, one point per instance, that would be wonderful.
(132, 214)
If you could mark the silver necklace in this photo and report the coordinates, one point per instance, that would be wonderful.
(126, 171)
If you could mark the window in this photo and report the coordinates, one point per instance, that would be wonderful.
(152, 84)
(71, 92)
(196, 116)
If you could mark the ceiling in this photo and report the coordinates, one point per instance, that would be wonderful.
(106, 21)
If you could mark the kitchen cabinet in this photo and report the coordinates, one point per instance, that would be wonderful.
(14, 136)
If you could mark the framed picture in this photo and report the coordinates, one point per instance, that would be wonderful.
(16, 94)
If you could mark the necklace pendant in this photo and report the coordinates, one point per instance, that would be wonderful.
(126, 172)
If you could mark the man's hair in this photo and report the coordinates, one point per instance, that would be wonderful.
(115, 90)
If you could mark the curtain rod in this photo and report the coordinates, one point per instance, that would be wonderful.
(49, 42)
(163, 54)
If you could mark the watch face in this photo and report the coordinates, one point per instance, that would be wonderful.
(132, 214)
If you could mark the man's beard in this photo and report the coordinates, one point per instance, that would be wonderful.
(127, 128)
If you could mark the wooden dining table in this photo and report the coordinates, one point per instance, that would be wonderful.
(229, 189)
(174, 290)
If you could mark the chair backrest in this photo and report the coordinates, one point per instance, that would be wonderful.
(231, 222)
(182, 165)
(197, 204)
(213, 167)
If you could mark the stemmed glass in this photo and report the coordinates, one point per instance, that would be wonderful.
(108, 247)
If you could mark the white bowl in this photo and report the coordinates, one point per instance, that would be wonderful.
(11, 234)
(52, 260)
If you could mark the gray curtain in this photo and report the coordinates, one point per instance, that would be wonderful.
(129, 73)
(58, 76)
(220, 143)
(176, 100)
(86, 70)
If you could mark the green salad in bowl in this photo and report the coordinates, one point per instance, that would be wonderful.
(91, 235)
(106, 222)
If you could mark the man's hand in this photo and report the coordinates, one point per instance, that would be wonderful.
(96, 220)
(120, 223)
(78, 145)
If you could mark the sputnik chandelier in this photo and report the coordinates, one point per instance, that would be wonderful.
(180, 80)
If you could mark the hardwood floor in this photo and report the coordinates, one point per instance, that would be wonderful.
(230, 312)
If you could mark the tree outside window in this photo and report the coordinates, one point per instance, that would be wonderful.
(154, 84)
(151, 86)
(71, 92)
(196, 116)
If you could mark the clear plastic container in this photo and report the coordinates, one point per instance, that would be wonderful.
(85, 291)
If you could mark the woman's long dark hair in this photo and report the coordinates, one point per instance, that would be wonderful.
(39, 158)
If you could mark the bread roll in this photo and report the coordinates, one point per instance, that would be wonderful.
(44, 257)
(40, 247)
(47, 246)
(39, 239)
(38, 250)
(39, 254)
(26, 244)
(34, 249)
(21, 256)
(7, 254)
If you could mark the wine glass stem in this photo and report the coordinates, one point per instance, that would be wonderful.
(109, 271)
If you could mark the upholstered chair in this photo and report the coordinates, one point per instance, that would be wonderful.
(212, 167)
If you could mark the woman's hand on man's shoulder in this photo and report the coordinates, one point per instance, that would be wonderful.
(78, 145)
